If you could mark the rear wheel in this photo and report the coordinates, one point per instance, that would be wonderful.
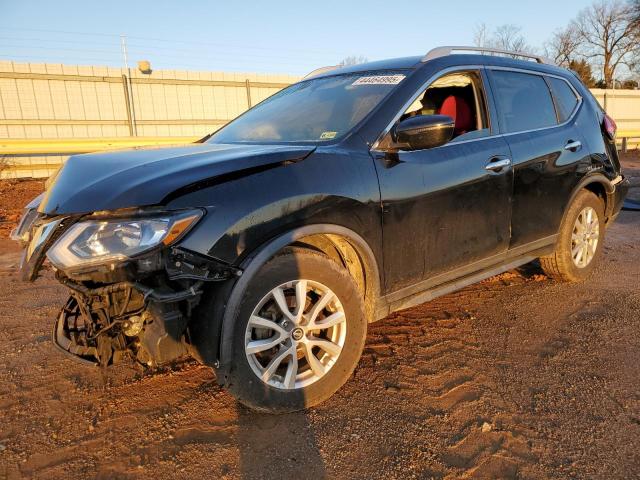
(580, 240)
(298, 335)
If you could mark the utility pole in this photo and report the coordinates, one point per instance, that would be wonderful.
(123, 44)
(130, 104)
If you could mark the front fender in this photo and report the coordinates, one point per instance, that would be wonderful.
(333, 191)
(223, 237)
(325, 188)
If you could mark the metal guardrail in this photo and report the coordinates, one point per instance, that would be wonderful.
(62, 146)
(626, 135)
(68, 146)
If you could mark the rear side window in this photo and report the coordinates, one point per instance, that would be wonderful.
(566, 100)
(524, 101)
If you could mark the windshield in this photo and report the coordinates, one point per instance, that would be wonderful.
(319, 110)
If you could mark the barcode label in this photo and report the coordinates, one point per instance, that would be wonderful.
(379, 80)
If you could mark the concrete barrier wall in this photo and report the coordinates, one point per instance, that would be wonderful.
(66, 101)
(622, 105)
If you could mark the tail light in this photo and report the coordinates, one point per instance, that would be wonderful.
(609, 126)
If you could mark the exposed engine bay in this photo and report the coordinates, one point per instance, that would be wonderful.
(148, 323)
(104, 324)
(138, 307)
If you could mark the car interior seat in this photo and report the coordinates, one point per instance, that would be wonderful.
(457, 108)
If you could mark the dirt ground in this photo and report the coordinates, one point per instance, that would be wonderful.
(516, 377)
(14, 195)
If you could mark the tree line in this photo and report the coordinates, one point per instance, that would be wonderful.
(601, 44)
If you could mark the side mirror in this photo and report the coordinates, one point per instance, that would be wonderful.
(423, 131)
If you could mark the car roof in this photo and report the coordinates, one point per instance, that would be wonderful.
(414, 62)
(500, 61)
(402, 63)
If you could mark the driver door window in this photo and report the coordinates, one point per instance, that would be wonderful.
(460, 96)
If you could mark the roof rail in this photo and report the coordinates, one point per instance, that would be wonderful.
(320, 70)
(448, 50)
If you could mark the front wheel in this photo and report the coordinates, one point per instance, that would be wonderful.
(298, 335)
(580, 240)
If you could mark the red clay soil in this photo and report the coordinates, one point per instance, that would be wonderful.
(517, 377)
(14, 195)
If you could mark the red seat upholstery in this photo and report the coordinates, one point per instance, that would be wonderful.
(458, 109)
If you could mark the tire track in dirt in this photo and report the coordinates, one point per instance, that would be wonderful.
(439, 359)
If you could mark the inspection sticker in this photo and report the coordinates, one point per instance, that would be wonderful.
(379, 80)
(328, 135)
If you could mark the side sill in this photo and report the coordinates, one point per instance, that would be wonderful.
(463, 277)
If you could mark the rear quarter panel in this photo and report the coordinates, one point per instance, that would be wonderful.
(604, 155)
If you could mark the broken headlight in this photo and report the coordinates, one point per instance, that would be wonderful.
(102, 241)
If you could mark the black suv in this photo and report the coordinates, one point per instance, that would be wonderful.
(265, 249)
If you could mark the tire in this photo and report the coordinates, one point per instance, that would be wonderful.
(562, 264)
(282, 392)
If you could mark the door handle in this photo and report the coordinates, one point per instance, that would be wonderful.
(497, 164)
(573, 145)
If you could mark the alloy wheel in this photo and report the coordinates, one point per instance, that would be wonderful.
(295, 334)
(584, 237)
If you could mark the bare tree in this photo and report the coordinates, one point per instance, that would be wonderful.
(505, 37)
(563, 46)
(635, 19)
(481, 35)
(353, 60)
(608, 35)
(635, 12)
(509, 37)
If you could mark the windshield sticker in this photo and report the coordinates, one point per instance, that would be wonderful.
(379, 80)
(328, 135)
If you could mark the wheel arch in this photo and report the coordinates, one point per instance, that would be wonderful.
(599, 185)
(338, 242)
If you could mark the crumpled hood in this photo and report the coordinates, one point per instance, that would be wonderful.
(146, 176)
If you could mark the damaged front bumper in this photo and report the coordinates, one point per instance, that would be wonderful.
(140, 308)
(151, 332)
(148, 322)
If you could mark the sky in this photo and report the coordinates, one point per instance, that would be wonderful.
(273, 36)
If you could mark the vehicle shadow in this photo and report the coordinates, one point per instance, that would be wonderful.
(277, 446)
(530, 270)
